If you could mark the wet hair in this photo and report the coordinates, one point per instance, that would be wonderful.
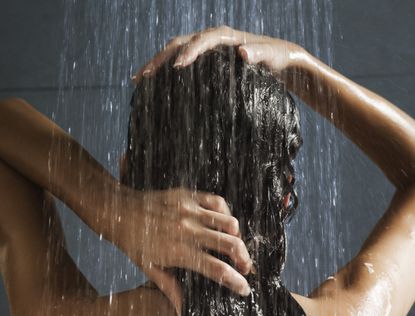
(229, 128)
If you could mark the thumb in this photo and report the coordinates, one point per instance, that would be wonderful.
(275, 57)
(168, 284)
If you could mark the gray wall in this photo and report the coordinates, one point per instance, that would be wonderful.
(372, 44)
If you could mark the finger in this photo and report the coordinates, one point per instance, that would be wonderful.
(219, 221)
(230, 246)
(168, 284)
(255, 53)
(151, 67)
(213, 202)
(160, 58)
(216, 270)
(206, 40)
(210, 38)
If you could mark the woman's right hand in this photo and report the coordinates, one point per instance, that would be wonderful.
(176, 228)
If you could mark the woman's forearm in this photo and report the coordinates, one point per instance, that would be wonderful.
(384, 132)
(41, 151)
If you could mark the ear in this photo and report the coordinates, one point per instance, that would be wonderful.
(286, 200)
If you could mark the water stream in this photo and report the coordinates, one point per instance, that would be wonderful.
(107, 41)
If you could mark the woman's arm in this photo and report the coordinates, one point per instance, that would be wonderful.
(49, 157)
(384, 132)
(380, 278)
(42, 152)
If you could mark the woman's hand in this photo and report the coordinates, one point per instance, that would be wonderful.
(174, 228)
(276, 54)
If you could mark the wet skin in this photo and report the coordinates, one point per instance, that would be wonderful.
(39, 275)
(379, 280)
(41, 278)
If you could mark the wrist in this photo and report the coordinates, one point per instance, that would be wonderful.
(299, 58)
(100, 202)
(301, 71)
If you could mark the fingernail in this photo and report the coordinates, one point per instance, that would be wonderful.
(133, 78)
(178, 63)
(253, 270)
(146, 72)
(246, 291)
(248, 268)
(246, 53)
(251, 266)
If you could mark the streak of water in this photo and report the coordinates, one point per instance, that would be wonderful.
(107, 41)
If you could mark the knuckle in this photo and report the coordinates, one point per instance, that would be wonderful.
(220, 202)
(222, 269)
(177, 41)
(186, 207)
(185, 225)
(238, 247)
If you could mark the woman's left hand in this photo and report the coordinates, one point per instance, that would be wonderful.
(174, 228)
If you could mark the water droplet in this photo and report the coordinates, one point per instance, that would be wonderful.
(369, 267)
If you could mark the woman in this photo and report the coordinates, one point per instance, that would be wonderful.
(361, 113)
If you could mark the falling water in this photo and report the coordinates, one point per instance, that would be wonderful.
(107, 41)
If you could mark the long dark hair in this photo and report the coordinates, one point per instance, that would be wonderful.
(226, 127)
